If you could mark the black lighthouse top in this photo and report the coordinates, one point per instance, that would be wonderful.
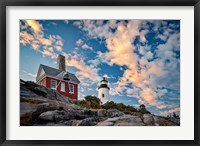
(104, 84)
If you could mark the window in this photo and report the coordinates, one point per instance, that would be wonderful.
(71, 88)
(53, 84)
(102, 95)
(62, 86)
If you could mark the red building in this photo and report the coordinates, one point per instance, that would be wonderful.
(58, 79)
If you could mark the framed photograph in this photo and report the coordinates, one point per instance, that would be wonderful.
(99, 72)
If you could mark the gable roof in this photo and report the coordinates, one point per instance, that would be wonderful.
(50, 70)
(56, 72)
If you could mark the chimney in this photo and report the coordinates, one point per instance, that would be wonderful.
(61, 62)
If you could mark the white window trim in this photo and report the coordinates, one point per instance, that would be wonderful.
(61, 85)
(55, 84)
(70, 90)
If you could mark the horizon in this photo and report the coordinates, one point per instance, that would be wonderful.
(139, 58)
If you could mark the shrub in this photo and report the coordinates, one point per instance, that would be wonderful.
(90, 102)
(143, 109)
(81, 103)
(119, 106)
(175, 115)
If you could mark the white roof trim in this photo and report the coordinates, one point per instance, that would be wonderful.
(57, 79)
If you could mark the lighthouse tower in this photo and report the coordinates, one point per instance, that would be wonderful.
(103, 91)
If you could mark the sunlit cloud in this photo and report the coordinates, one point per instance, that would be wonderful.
(58, 48)
(145, 66)
(32, 34)
(85, 71)
(170, 112)
(35, 26)
(80, 43)
(142, 72)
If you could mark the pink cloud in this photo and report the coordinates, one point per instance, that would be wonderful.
(35, 26)
(85, 71)
(33, 34)
(169, 112)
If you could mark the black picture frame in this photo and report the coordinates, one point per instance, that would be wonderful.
(5, 3)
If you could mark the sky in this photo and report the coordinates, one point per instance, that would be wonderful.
(139, 58)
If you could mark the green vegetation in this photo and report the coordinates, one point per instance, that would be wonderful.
(174, 115)
(92, 102)
(143, 109)
(119, 106)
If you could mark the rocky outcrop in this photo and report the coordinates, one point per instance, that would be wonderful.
(148, 119)
(124, 120)
(45, 112)
(32, 90)
(40, 106)
(32, 108)
(109, 113)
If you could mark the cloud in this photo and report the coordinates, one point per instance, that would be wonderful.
(170, 112)
(106, 76)
(148, 55)
(141, 72)
(46, 53)
(49, 54)
(84, 70)
(29, 74)
(32, 75)
(120, 47)
(147, 67)
(58, 48)
(46, 42)
(113, 91)
(50, 49)
(32, 33)
(130, 91)
(95, 28)
(142, 38)
(145, 72)
(113, 24)
(35, 26)
(35, 46)
(85, 46)
(79, 42)
(148, 95)
(59, 43)
(78, 24)
(26, 38)
(94, 62)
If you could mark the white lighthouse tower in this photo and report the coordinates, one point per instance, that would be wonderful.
(103, 93)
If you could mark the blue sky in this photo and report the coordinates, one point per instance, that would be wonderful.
(139, 58)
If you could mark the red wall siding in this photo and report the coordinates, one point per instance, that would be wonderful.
(73, 96)
(43, 82)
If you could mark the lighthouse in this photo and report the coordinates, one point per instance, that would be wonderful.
(103, 91)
